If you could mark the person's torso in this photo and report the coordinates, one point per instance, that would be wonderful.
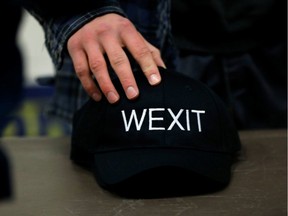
(226, 26)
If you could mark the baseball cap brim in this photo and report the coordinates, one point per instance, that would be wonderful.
(131, 162)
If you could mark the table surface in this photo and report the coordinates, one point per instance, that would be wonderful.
(47, 183)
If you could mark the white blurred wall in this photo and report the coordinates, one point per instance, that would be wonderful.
(37, 61)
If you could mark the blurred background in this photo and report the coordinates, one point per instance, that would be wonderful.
(28, 120)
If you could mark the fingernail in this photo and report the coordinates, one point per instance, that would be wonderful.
(154, 79)
(131, 92)
(112, 97)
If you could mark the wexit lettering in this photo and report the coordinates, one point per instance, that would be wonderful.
(156, 115)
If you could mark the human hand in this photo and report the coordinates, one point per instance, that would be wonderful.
(109, 34)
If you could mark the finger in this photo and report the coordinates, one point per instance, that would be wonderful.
(140, 51)
(156, 55)
(121, 65)
(82, 71)
(98, 67)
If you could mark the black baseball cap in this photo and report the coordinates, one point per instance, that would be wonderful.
(178, 126)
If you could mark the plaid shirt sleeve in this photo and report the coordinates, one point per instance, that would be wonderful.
(58, 27)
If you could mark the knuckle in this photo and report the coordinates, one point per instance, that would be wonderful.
(96, 65)
(102, 28)
(155, 52)
(73, 44)
(118, 60)
(89, 89)
(80, 71)
(142, 52)
(125, 23)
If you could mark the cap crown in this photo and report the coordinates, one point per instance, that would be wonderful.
(180, 112)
